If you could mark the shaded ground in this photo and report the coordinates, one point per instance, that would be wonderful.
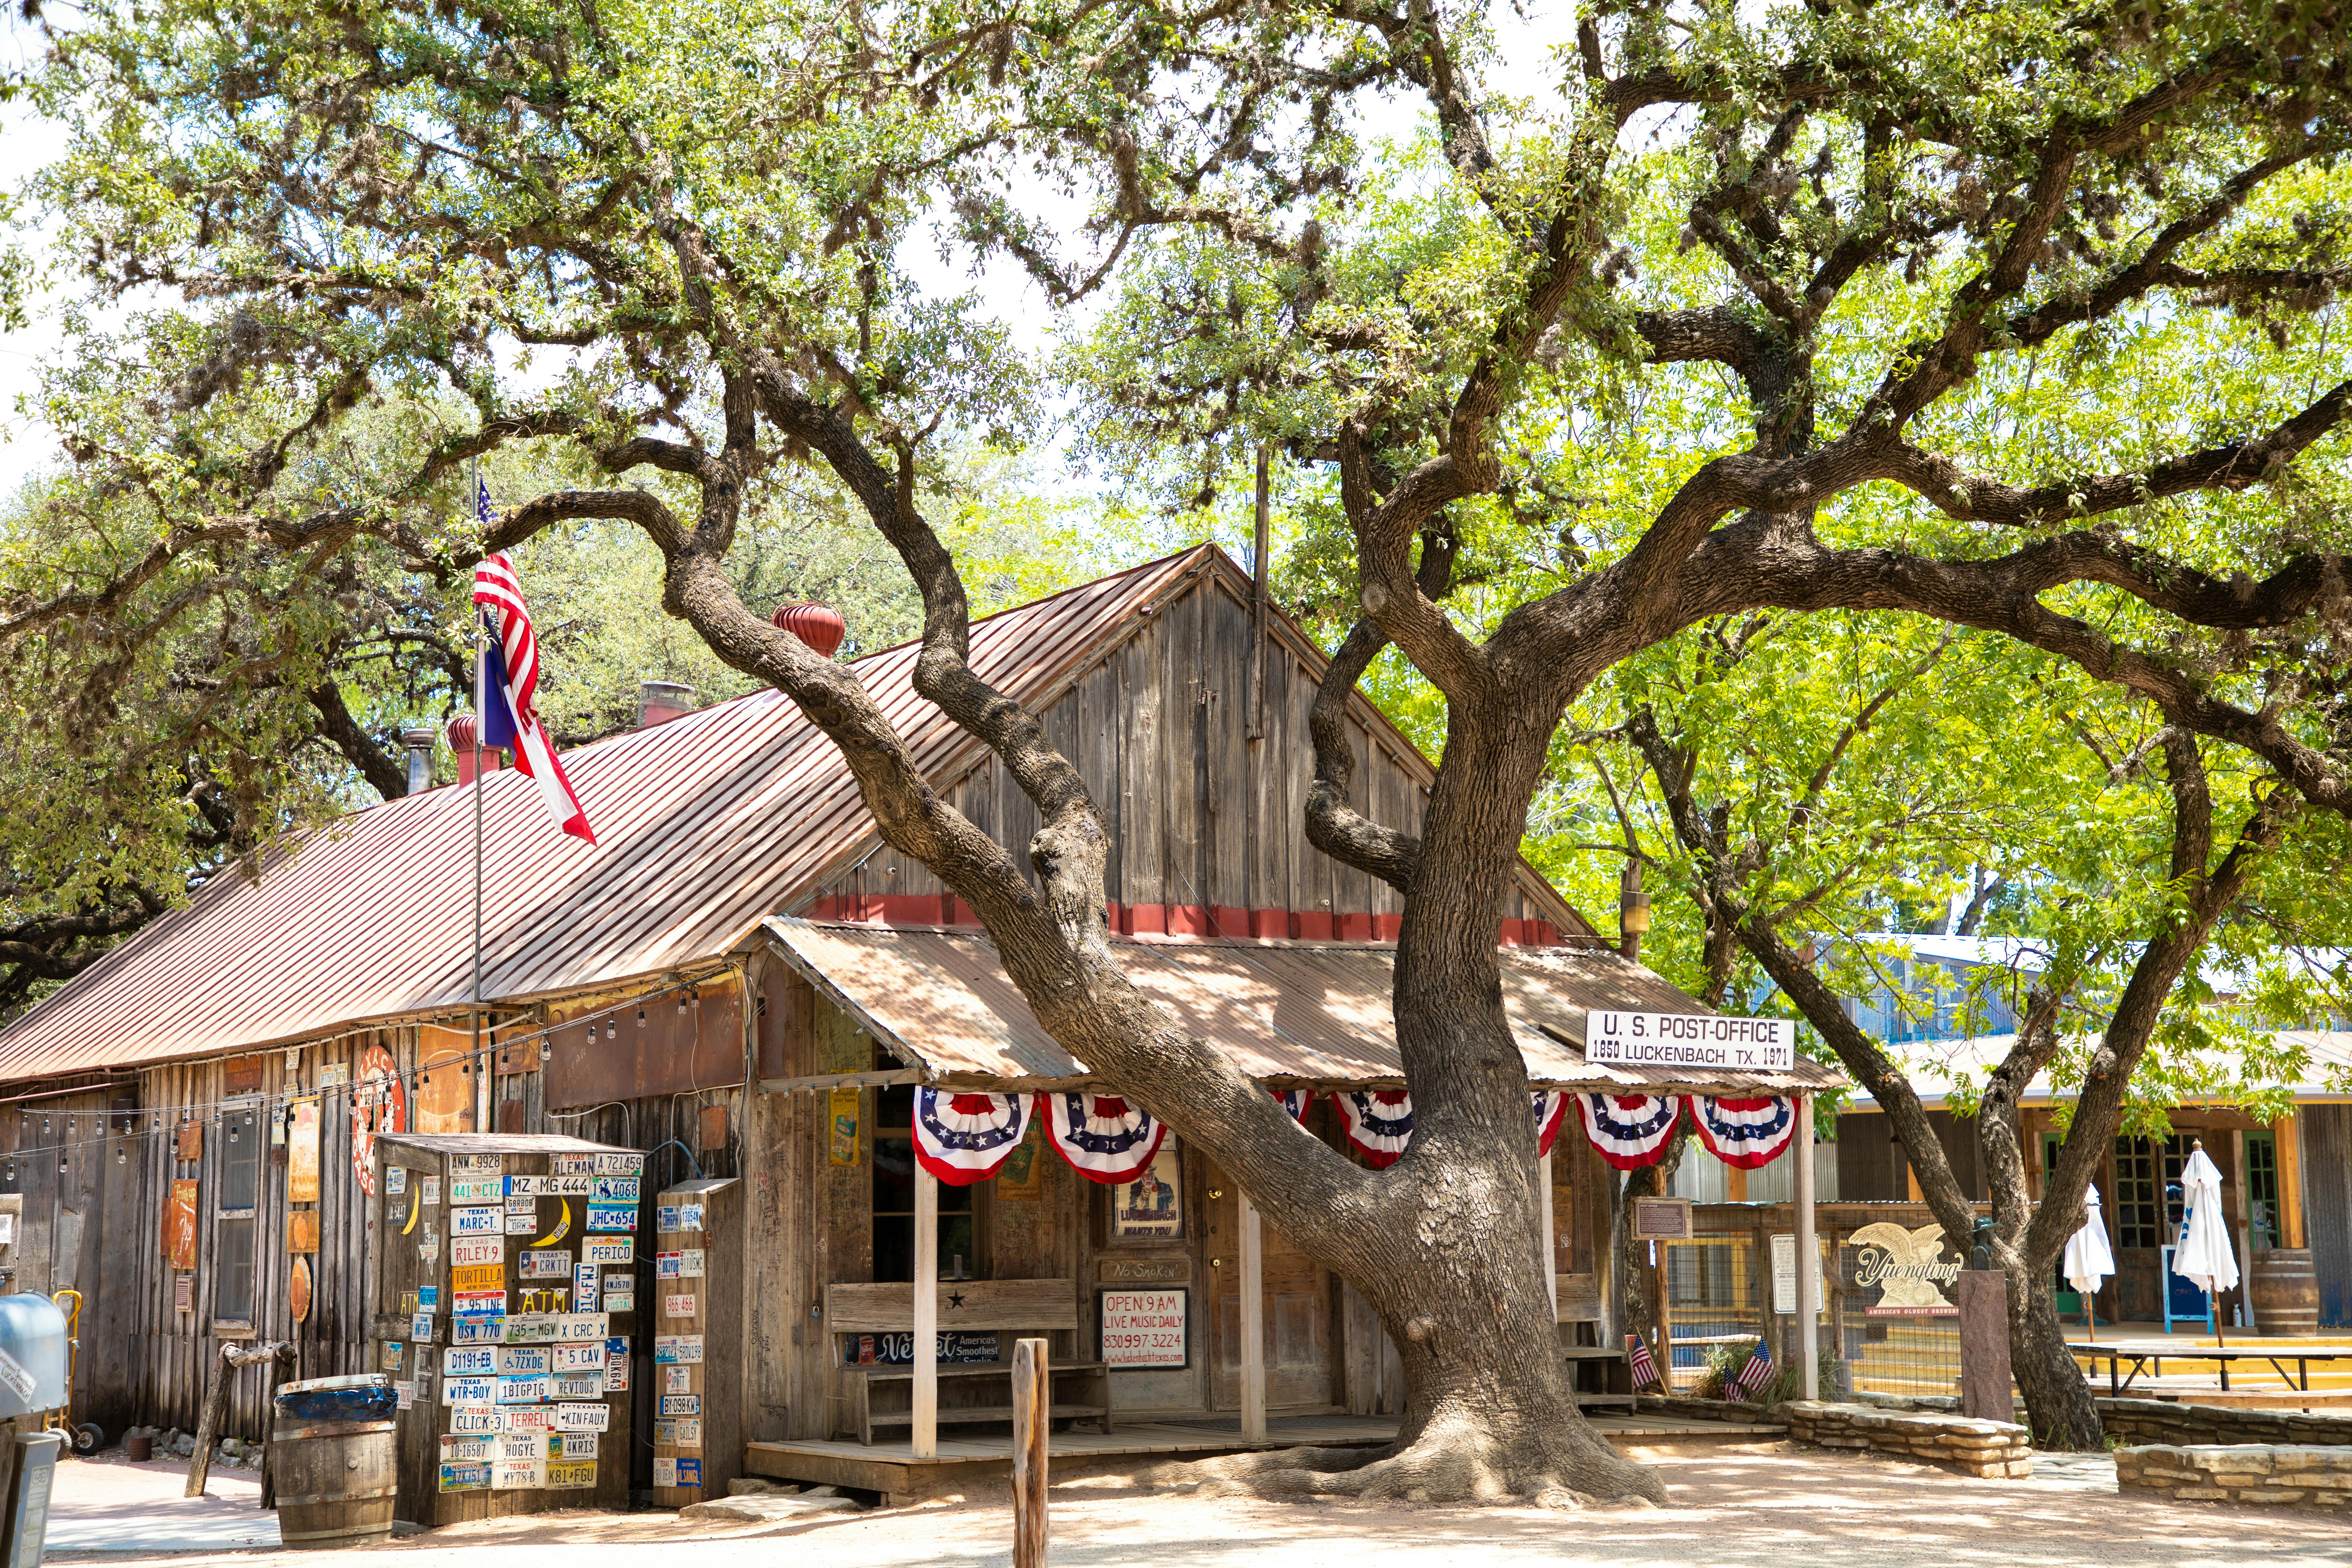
(1734, 1507)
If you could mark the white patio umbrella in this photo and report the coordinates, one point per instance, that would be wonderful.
(2202, 1256)
(2088, 1261)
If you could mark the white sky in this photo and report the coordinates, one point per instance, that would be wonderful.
(28, 447)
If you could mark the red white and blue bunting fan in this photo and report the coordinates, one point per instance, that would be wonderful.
(1379, 1123)
(1294, 1100)
(964, 1138)
(1106, 1139)
(1552, 1110)
(1630, 1129)
(1745, 1132)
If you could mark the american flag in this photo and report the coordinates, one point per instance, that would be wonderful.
(1645, 1370)
(508, 680)
(1756, 1373)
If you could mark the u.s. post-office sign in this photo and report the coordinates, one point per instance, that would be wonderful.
(1690, 1040)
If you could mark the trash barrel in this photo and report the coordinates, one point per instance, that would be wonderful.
(335, 1461)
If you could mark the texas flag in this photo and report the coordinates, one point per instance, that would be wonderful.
(507, 677)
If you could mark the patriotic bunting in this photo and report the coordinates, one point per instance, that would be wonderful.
(1630, 1129)
(1552, 1109)
(1379, 1123)
(1745, 1132)
(964, 1138)
(1105, 1138)
(1294, 1100)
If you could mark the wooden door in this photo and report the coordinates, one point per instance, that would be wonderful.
(1300, 1345)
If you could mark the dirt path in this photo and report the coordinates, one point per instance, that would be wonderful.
(1732, 1508)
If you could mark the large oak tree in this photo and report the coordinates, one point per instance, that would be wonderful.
(701, 217)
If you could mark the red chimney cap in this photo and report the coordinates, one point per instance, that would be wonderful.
(819, 625)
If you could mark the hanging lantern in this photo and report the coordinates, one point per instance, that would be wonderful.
(1746, 1133)
(1103, 1137)
(965, 1138)
(1630, 1129)
(819, 625)
(1379, 1123)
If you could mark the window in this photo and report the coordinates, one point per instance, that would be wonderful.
(2148, 1189)
(241, 1137)
(2263, 1190)
(894, 1199)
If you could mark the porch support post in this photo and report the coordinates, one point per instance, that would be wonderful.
(1809, 1304)
(927, 1313)
(1547, 1255)
(1252, 1287)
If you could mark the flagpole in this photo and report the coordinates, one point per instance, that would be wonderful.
(481, 717)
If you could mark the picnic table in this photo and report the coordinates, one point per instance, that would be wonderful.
(2148, 1355)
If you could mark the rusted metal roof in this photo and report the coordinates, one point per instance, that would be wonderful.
(707, 823)
(1287, 1013)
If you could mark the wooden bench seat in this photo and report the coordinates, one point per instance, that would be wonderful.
(864, 1418)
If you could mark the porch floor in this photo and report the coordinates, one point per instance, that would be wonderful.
(889, 1467)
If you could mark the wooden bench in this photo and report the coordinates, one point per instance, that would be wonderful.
(1014, 1306)
(864, 1418)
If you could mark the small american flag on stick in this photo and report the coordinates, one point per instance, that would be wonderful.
(1645, 1370)
(1756, 1373)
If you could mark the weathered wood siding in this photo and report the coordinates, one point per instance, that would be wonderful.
(1199, 814)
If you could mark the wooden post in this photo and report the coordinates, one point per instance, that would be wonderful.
(208, 1422)
(1547, 1251)
(1254, 699)
(1033, 1419)
(927, 1313)
(2290, 1181)
(1808, 1378)
(1253, 1286)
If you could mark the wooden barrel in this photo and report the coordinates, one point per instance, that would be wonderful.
(337, 1481)
(2285, 1292)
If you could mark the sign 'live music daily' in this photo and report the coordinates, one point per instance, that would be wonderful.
(1690, 1040)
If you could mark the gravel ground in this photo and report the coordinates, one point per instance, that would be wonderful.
(1733, 1507)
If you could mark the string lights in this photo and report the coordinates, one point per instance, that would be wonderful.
(368, 1101)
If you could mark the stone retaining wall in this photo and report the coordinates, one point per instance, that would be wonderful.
(1990, 1450)
(1692, 1409)
(2162, 1422)
(2273, 1474)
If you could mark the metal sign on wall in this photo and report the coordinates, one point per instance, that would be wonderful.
(1690, 1040)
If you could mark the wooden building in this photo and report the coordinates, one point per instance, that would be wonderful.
(743, 984)
(2287, 1187)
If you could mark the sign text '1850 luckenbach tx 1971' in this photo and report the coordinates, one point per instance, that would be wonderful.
(1690, 1040)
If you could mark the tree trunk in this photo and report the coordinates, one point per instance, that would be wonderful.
(1637, 1305)
(2057, 1400)
(1452, 1270)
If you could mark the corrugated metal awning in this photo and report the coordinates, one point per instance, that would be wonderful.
(1287, 1013)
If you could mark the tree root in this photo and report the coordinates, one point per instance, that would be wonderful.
(1453, 1466)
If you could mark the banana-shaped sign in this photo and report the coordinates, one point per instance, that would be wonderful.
(562, 1227)
(413, 1200)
